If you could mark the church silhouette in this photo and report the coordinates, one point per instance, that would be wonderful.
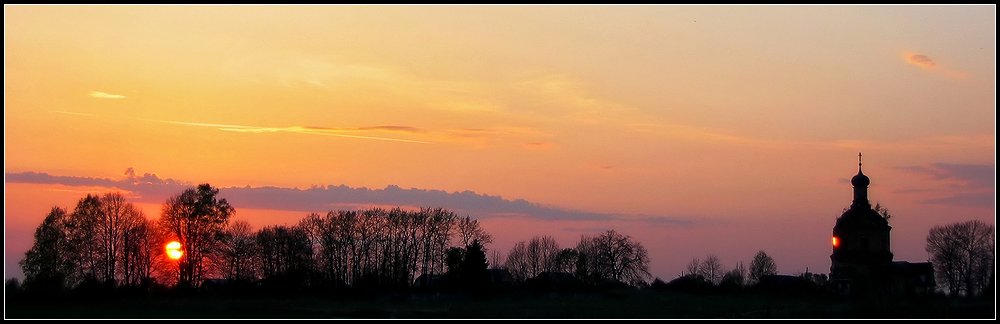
(861, 263)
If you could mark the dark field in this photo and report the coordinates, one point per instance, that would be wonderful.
(629, 304)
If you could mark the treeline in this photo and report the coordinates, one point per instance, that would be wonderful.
(107, 242)
(607, 257)
(385, 248)
(964, 256)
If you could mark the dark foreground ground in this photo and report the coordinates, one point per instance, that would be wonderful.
(628, 304)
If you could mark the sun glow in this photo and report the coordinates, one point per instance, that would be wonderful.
(174, 250)
(836, 241)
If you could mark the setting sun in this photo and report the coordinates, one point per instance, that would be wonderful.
(836, 241)
(174, 250)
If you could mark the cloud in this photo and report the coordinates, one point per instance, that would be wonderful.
(151, 188)
(389, 128)
(148, 186)
(468, 136)
(72, 113)
(392, 128)
(973, 176)
(921, 60)
(105, 95)
(925, 62)
(537, 146)
(310, 130)
(976, 199)
(969, 185)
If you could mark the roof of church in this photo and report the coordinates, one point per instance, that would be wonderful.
(861, 217)
(860, 180)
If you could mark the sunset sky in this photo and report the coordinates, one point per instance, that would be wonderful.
(695, 129)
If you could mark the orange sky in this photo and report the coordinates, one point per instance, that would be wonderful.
(742, 121)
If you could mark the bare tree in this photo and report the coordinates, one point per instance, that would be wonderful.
(118, 218)
(613, 256)
(711, 269)
(380, 247)
(144, 244)
(437, 227)
(693, 267)
(565, 260)
(762, 265)
(285, 255)
(527, 260)
(517, 261)
(964, 256)
(469, 230)
(495, 260)
(238, 251)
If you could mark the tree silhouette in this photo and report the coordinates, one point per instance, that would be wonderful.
(711, 269)
(470, 230)
(143, 243)
(121, 232)
(105, 240)
(495, 258)
(386, 247)
(455, 257)
(693, 267)
(239, 252)
(196, 218)
(473, 269)
(527, 259)
(612, 256)
(45, 265)
(882, 211)
(736, 278)
(964, 256)
(285, 256)
(565, 260)
(84, 249)
(762, 265)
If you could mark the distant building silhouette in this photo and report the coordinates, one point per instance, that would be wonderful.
(861, 262)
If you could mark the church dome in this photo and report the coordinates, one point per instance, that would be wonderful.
(860, 180)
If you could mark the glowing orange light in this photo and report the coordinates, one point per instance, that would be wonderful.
(174, 250)
(836, 241)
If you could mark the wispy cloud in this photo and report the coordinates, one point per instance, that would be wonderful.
(537, 145)
(151, 188)
(387, 128)
(474, 136)
(966, 184)
(72, 113)
(105, 95)
(973, 176)
(976, 199)
(392, 128)
(310, 130)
